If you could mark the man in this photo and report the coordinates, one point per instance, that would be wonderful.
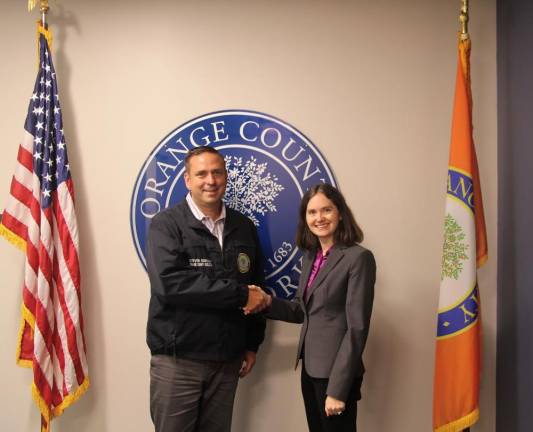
(203, 260)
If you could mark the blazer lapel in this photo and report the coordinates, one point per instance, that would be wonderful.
(307, 265)
(335, 255)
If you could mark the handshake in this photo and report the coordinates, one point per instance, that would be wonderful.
(257, 300)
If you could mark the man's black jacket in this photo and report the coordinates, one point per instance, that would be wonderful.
(197, 289)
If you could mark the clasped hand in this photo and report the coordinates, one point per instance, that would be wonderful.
(257, 300)
(334, 406)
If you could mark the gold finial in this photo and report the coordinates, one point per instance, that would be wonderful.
(44, 6)
(463, 19)
(43, 9)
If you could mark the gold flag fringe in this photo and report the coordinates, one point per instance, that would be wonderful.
(12, 238)
(460, 424)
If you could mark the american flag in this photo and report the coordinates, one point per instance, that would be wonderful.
(39, 217)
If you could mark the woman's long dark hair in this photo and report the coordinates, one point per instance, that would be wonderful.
(348, 233)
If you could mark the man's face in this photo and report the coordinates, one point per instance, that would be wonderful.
(206, 179)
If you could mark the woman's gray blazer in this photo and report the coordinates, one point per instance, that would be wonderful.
(335, 316)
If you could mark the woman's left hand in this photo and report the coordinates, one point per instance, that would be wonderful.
(334, 406)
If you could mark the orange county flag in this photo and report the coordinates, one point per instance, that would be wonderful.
(39, 217)
(457, 358)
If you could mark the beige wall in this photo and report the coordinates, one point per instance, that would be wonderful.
(370, 82)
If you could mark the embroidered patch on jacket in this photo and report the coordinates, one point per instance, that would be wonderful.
(200, 262)
(243, 262)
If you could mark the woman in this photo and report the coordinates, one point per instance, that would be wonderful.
(334, 303)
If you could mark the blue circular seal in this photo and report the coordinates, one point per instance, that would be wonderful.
(270, 166)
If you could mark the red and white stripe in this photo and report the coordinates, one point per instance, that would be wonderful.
(51, 291)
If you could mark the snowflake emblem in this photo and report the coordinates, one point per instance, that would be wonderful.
(250, 189)
(454, 249)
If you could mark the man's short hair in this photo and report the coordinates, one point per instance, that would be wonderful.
(197, 151)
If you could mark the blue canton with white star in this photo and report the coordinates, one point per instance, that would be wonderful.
(44, 122)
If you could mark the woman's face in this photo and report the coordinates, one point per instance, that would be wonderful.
(322, 217)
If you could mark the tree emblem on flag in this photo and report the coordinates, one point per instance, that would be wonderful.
(454, 249)
(250, 190)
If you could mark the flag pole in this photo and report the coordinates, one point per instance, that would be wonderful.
(44, 12)
(43, 9)
(463, 19)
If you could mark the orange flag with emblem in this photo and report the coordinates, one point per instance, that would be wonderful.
(458, 350)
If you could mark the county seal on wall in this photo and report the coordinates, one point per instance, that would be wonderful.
(270, 165)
